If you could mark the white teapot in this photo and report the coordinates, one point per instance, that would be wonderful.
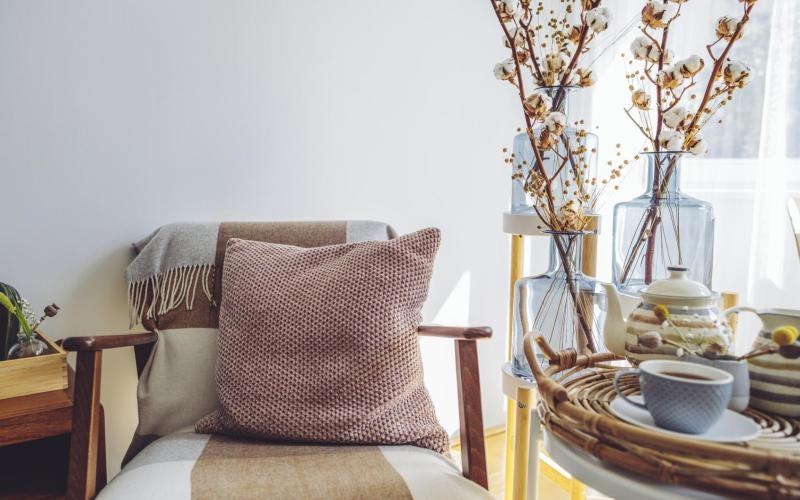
(683, 312)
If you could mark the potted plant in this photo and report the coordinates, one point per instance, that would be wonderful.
(26, 325)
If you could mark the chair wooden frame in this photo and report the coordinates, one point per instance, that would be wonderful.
(87, 450)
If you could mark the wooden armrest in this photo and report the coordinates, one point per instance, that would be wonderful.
(87, 446)
(473, 448)
(101, 342)
(456, 332)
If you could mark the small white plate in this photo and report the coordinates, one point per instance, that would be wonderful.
(730, 428)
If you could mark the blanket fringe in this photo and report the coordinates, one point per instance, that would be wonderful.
(159, 294)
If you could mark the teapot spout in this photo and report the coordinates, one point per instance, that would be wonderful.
(614, 328)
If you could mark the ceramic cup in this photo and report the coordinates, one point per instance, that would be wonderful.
(681, 396)
(740, 394)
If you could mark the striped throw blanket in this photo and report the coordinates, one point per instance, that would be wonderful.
(175, 279)
(174, 287)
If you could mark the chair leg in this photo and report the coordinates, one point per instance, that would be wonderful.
(85, 436)
(473, 446)
(102, 478)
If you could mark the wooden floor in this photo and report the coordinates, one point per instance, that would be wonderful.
(550, 487)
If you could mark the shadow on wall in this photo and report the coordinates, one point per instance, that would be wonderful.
(97, 304)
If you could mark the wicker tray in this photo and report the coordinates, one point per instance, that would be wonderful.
(575, 395)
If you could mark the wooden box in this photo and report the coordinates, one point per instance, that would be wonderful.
(43, 373)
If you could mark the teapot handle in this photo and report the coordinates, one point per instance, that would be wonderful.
(737, 309)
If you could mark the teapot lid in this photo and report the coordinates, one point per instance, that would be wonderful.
(678, 285)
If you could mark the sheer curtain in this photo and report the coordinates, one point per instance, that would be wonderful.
(769, 283)
(753, 166)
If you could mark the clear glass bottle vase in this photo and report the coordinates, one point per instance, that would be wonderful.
(662, 227)
(564, 305)
(581, 164)
(26, 347)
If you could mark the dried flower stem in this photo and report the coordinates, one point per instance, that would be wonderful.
(539, 164)
(661, 178)
(759, 351)
(552, 221)
(718, 62)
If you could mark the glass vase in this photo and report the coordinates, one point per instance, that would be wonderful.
(26, 347)
(580, 165)
(660, 228)
(563, 305)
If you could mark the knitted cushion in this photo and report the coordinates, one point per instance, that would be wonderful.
(320, 345)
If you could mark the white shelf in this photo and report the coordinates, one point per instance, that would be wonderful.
(527, 224)
(511, 382)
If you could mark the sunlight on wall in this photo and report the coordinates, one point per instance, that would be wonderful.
(438, 358)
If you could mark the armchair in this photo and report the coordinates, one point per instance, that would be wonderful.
(85, 475)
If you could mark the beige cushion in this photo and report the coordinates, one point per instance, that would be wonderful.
(320, 345)
(193, 466)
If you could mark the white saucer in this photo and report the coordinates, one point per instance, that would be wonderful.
(730, 428)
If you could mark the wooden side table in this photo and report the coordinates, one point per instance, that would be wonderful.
(34, 445)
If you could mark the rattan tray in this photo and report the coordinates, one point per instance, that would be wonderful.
(575, 395)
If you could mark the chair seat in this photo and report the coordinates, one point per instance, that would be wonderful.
(188, 465)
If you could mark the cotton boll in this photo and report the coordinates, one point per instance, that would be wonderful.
(546, 140)
(737, 73)
(586, 77)
(537, 105)
(641, 99)
(505, 70)
(669, 78)
(641, 47)
(518, 35)
(697, 145)
(574, 80)
(690, 66)
(555, 122)
(669, 55)
(598, 19)
(677, 118)
(656, 14)
(726, 27)
(671, 140)
(717, 344)
(509, 9)
(574, 35)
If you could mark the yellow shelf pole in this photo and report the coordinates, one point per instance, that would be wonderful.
(517, 266)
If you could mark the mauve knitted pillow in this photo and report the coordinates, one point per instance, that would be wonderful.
(320, 344)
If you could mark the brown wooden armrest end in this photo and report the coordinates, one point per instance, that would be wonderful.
(101, 342)
(473, 447)
(456, 332)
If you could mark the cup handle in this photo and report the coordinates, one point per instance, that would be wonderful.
(618, 376)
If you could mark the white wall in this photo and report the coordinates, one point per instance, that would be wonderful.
(119, 116)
